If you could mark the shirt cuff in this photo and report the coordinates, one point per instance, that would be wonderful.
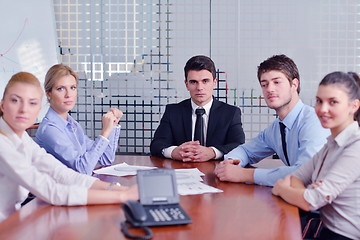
(315, 198)
(218, 154)
(238, 153)
(261, 177)
(242, 162)
(77, 196)
(89, 181)
(101, 144)
(308, 198)
(168, 151)
(104, 138)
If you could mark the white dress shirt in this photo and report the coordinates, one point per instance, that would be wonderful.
(168, 151)
(24, 167)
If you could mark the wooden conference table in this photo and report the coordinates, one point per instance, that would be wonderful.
(242, 211)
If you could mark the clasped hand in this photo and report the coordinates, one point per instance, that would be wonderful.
(109, 120)
(281, 184)
(192, 151)
(228, 170)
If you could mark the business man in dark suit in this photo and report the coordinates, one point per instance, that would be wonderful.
(177, 135)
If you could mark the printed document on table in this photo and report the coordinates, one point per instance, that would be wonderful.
(188, 175)
(122, 169)
(189, 182)
(192, 188)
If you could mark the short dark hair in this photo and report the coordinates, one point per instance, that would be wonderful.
(198, 63)
(350, 82)
(280, 63)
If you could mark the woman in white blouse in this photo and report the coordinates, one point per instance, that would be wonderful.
(24, 166)
(330, 182)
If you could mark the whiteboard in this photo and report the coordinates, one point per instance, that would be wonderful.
(28, 40)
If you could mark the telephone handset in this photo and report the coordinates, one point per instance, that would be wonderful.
(134, 212)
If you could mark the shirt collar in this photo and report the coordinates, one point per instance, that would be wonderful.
(293, 114)
(14, 138)
(343, 137)
(206, 106)
(54, 117)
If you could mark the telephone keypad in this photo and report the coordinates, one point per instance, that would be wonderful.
(166, 214)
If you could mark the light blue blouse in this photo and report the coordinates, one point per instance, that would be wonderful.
(304, 137)
(66, 141)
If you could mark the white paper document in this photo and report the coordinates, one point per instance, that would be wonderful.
(122, 169)
(188, 175)
(189, 180)
(192, 188)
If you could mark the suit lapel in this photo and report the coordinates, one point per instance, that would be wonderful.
(187, 121)
(213, 119)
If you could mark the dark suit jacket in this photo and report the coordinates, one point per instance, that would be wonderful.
(224, 130)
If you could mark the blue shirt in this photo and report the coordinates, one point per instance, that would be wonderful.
(66, 141)
(304, 137)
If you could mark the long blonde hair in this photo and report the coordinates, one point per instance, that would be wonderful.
(54, 73)
(21, 77)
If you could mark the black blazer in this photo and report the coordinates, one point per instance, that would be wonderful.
(224, 130)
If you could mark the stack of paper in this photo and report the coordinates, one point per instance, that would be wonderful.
(189, 181)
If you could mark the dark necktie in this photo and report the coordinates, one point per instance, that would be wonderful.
(282, 132)
(199, 126)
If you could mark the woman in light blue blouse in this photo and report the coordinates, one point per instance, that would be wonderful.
(63, 137)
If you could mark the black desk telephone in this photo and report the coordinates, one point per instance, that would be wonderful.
(159, 200)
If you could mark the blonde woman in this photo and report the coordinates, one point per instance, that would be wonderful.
(25, 167)
(63, 137)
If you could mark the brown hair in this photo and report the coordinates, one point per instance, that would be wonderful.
(280, 63)
(54, 73)
(21, 77)
(349, 81)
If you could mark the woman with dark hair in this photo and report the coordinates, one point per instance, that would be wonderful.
(330, 182)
